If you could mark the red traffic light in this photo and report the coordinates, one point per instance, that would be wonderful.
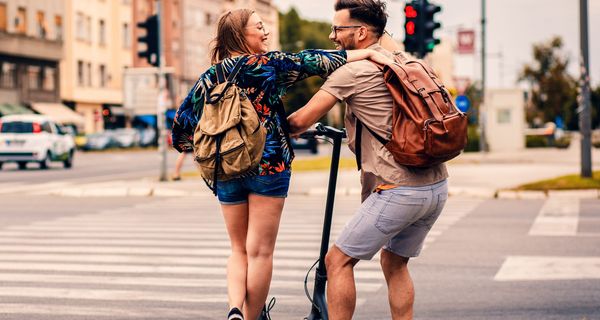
(410, 28)
(410, 12)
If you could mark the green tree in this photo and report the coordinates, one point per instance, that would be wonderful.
(554, 91)
(295, 35)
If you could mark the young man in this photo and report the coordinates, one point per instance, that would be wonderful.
(399, 203)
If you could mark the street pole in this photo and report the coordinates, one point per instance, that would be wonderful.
(162, 99)
(482, 116)
(585, 122)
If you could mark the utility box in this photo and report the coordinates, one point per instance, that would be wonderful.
(505, 119)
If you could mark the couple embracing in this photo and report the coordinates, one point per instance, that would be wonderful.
(399, 203)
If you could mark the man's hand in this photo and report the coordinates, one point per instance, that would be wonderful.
(296, 126)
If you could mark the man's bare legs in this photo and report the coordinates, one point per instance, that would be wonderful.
(341, 291)
(401, 292)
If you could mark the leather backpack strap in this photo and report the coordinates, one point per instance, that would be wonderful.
(358, 141)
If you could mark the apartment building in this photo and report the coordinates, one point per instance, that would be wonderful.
(188, 29)
(97, 48)
(31, 46)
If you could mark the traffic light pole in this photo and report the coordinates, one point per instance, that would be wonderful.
(162, 100)
(584, 108)
(482, 116)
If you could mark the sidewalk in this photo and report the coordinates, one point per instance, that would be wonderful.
(471, 174)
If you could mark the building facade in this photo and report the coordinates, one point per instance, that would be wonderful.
(188, 28)
(31, 47)
(97, 48)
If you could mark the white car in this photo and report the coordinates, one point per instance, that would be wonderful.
(34, 138)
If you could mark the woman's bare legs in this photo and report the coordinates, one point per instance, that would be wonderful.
(236, 221)
(263, 225)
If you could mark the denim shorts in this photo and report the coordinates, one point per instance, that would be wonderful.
(397, 220)
(236, 191)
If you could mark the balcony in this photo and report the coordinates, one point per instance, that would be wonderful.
(30, 47)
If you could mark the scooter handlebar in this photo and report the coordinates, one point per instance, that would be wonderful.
(326, 131)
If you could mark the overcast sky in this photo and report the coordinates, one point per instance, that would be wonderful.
(513, 26)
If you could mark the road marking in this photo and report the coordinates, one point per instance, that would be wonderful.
(523, 268)
(99, 311)
(558, 217)
(40, 278)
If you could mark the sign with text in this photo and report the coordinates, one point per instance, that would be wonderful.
(466, 41)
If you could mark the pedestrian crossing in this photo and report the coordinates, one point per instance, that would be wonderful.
(165, 259)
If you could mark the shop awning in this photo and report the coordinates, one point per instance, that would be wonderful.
(8, 109)
(59, 113)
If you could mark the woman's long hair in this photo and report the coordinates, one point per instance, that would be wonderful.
(230, 35)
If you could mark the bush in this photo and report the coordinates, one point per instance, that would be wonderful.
(562, 142)
(472, 139)
(536, 142)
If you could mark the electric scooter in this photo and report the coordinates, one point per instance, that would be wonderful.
(319, 303)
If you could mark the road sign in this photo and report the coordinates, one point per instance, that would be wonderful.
(462, 103)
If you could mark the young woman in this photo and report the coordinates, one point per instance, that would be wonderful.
(252, 205)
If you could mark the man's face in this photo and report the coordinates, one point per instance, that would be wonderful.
(344, 37)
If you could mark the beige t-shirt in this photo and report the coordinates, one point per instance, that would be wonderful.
(360, 84)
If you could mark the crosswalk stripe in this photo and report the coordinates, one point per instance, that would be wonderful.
(152, 269)
(97, 311)
(123, 295)
(39, 278)
(558, 217)
(163, 260)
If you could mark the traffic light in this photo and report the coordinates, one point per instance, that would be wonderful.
(411, 11)
(430, 25)
(420, 26)
(151, 40)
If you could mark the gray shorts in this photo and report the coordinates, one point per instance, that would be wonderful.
(397, 220)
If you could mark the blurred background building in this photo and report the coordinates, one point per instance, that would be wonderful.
(31, 47)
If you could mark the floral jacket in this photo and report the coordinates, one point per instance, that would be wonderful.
(264, 78)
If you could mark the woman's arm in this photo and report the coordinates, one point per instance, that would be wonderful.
(362, 54)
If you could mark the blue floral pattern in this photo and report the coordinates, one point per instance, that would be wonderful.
(264, 78)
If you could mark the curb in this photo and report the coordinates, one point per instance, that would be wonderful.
(564, 194)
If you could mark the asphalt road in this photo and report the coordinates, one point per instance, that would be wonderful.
(95, 167)
(163, 258)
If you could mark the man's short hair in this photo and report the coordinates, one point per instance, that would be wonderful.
(370, 12)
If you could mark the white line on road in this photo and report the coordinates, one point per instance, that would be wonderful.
(558, 217)
(522, 268)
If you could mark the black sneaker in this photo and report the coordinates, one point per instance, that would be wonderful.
(264, 315)
(235, 314)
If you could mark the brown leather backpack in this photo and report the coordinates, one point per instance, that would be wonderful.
(427, 128)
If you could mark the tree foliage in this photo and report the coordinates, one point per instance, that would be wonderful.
(296, 34)
(553, 90)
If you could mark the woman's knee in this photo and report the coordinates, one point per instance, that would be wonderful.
(259, 251)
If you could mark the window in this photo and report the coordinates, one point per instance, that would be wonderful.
(34, 76)
(102, 32)
(41, 25)
(48, 75)
(59, 27)
(80, 74)
(21, 21)
(3, 17)
(80, 25)
(46, 127)
(88, 29)
(504, 116)
(102, 73)
(88, 74)
(8, 75)
(126, 36)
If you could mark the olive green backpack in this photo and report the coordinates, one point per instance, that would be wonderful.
(229, 139)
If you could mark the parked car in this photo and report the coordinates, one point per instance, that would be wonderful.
(310, 144)
(126, 137)
(99, 141)
(34, 138)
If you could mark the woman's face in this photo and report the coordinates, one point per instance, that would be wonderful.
(256, 35)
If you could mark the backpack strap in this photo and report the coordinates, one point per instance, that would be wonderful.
(231, 79)
(358, 141)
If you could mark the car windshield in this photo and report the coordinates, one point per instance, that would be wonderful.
(17, 127)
